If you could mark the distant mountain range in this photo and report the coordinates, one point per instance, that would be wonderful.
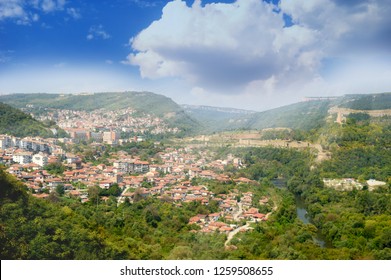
(305, 115)
(192, 119)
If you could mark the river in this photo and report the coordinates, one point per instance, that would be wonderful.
(302, 214)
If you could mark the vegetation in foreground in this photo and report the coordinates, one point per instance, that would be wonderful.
(355, 224)
(15, 122)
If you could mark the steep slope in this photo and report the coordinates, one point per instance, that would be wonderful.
(216, 118)
(35, 229)
(304, 115)
(15, 122)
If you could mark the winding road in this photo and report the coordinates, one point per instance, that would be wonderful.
(244, 227)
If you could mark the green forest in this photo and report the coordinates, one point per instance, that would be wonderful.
(15, 122)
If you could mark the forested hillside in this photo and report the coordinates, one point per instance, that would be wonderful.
(379, 101)
(144, 102)
(15, 122)
(306, 115)
(360, 148)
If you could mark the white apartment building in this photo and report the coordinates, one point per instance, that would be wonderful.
(22, 158)
(40, 159)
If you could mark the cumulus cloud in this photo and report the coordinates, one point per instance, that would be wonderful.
(344, 25)
(97, 32)
(193, 43)
(246, 46)
(25, 12)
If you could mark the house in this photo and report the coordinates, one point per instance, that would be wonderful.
(71, 158)
(214, 216)
(54, 182)
(195, 220)
(32, 166)
(105, 184)
(41, 195)
(40, 159)
(225, 229)
(207, 174)
(259, 217)
(75, 193)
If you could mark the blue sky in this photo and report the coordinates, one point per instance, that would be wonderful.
(247, 53)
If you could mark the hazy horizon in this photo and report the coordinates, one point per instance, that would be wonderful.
(244, 54)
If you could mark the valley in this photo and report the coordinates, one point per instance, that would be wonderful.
(130, 179)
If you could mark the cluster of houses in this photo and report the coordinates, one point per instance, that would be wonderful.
(29, 150)
(231, 213)
(103, 125)
(168, 180)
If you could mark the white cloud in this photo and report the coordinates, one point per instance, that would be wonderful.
(97, 32)
(245, 48)
(225, 47)
(11, 9)
(145, 3)
(209, 44)
(74, 13)
(52, 5)
(35, 17)
(25, 12)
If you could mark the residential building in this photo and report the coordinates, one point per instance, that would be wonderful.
(40, 159)
(22, 157)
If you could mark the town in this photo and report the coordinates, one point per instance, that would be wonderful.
(171, 177)
(102, 124)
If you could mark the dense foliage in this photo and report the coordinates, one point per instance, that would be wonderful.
(361, 148)
(15, 122)
(354, 224)
(62, 228)
(368, 102)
